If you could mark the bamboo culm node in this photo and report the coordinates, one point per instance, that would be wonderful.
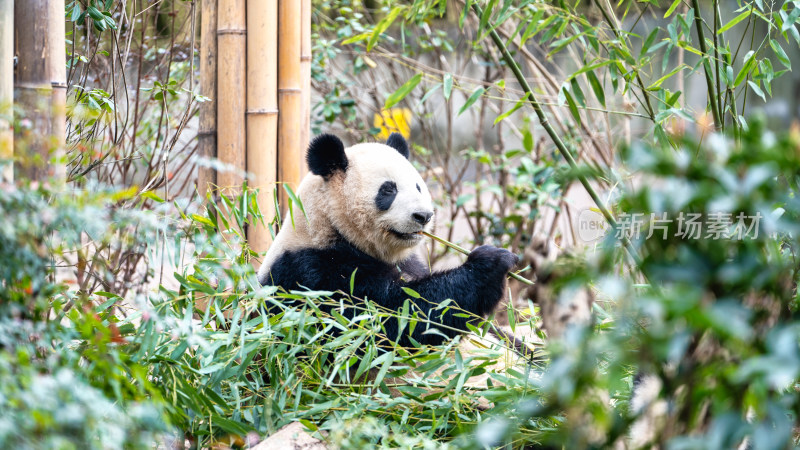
(467, 252)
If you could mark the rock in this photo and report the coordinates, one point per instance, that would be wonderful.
(291, 437)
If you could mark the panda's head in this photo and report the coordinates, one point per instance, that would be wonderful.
(372, 195)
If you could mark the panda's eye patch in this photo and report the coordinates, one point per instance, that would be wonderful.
(418, 189)
(386, 195)
(389, 187)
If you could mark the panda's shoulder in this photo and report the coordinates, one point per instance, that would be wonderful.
(340, 256)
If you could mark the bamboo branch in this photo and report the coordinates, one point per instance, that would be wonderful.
(467, 252)
(706, 65)
(544, 122)
(615, 29)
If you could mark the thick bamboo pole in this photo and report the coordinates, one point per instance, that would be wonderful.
(32, 88)
(6, 88)
(290, 99)
(57, 63)
(262, 110)
(305, 73)
(207, 128)
(231, 91)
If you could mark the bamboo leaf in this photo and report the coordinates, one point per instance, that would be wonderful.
(464, 11)
(448, 85)
(387, 359)
(527, 140)
(410, 292)
(573, 107)
(657, 84)
(585, 69)
(294, 200)
(476, 94)
(517, 106)
(757, 90)
(487, 14)
(356, 38)
(597, 88)
(430, 92)
(383, 25)
(749, 59)
(672, 8)
(790, 20)
(782, 57)
(403, 91)
(353, 280)
(152, 196)
(578, 92)
(734, 21)
(561, 43)
(649, 41)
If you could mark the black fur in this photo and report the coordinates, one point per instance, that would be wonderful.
(326, 155)
(386, 195)
(398, 142)
(476, 286)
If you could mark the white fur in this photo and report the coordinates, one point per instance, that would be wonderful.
(345, 204)
(650, 410)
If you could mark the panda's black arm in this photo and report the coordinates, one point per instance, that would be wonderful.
(475, 288)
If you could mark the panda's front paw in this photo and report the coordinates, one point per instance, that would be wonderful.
(493, 258)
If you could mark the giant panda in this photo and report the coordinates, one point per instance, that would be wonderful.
(365, 208)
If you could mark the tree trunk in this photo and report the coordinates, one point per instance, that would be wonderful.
(305, 74)
(58, 81)
(231, 92)
(262, 111)
(290, 101)
(32, 89)
(6, 88)
(207, 129)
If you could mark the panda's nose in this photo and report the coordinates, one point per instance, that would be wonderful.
(422, 217)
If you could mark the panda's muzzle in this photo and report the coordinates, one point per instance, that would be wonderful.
(406, 236)
(420, 218)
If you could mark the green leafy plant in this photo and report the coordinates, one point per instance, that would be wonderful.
(717, 323)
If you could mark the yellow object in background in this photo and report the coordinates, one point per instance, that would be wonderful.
(393, 120)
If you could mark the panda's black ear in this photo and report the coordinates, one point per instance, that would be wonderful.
(398, 142)
(326, 155)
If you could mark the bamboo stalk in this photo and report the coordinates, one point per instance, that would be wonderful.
(712, 92)
(6, 88)
(545, 123)
(32, 87)
(231, 89)
(305, 73)
(58, 81)
(262, 111)
(207, 127)
(290, 99)
(457, 248)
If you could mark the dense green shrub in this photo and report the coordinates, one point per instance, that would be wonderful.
(66, 380)
(716, 317)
